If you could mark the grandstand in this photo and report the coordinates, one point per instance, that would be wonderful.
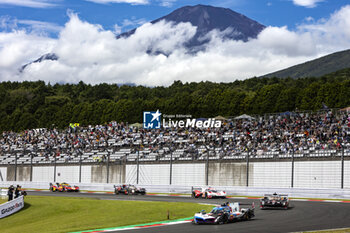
(303, 135)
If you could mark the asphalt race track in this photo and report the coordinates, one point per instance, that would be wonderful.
(301, 216)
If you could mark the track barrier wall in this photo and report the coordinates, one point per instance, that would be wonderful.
(306, 174)
(182, 189)
(320, 178)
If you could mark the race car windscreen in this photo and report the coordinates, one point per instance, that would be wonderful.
(216, 211)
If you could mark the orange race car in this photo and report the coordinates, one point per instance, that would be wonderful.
(63, 187)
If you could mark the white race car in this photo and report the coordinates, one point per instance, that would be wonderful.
(207, 193)
(228, 212)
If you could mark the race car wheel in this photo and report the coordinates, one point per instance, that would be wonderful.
(223, 219)
(194, 195)
(206, 196)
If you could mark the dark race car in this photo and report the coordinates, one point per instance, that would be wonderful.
(128, 189)
(63, 187)
(274, 201)
(228, 212)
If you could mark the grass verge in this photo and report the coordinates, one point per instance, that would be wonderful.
(63, 214)
(346, 230)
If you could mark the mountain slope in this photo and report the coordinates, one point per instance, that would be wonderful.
(208, 18)
(234, 26)
(316, 68)
(48, 56)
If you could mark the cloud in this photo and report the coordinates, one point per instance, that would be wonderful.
(128, 24)
(89, 53)
(167, 3)
(8, 24)
(133, 2)
(29, 3)
(18, 48)
(307, 3)
(40, 26)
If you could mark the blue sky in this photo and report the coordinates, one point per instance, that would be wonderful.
(82, 33)
(128, 14)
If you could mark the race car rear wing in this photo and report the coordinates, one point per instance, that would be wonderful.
(282, 195)
(234, 206)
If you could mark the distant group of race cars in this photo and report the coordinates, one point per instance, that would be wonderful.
(231, 212)
(225, 213)
(118, 189)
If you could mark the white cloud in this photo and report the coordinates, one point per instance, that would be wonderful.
(29, 3)
(167, 3)
(18, 48)
(8, 23)
(309, 19)
(307, 3)
(40, 26)
(133, 2)
(89, 53)
(128, 24)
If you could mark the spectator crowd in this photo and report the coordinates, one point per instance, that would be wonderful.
(279, 132)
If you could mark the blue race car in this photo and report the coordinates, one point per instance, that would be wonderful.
(227, 212)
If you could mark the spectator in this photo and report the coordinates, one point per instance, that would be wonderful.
(10, 193)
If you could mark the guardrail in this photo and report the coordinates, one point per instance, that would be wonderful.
(11, 207)
(3, 193)
(231, 190)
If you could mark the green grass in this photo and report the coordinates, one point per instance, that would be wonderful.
(3, 201)
(332, 231)
(63, 214)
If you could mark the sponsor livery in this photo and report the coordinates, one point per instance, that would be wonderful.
(63, 187)
(207, 193)
(11, 207)
(274, 201)
(128, 189)
(227, 212)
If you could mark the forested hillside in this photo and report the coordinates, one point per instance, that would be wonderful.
(36, 104)
(316, 68)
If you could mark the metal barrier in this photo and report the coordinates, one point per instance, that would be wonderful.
(3, 193)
